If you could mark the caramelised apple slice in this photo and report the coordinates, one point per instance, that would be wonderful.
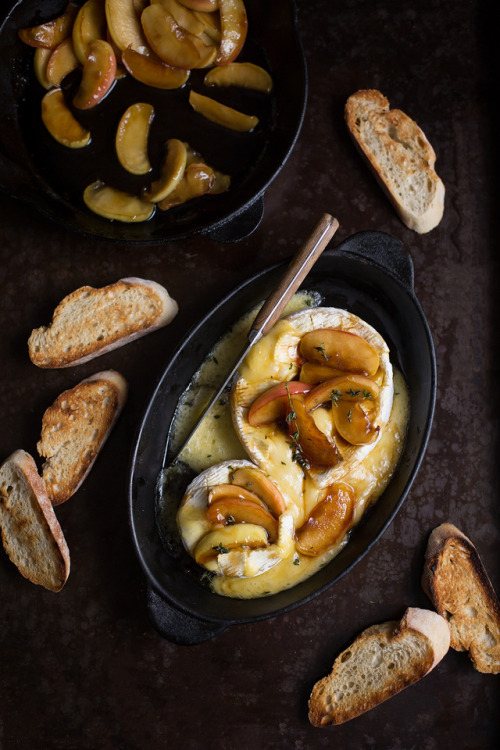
(353, 424)
(245, 74)
(204, 5)
(124, 25)
(328, 522)
(90, 24)
(211, 25)
(182, 15)
(60, 122)
(196, 181)
(98, 75)
(40, 62)
(221, 114)
(344, 388)
(132, 138)
(234, 26)
(115, 204)
(61, 62)
(313, 372)
(233, 492)
(229, 510)
(256, 481)
(311, 445)
(220, 541)
(51, 33)
(153, 72)
(340, 349)
(273, 404)
(171, 173)
(173, 44)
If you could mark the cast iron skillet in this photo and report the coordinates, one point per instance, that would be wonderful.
(370, 275)
(51, 177)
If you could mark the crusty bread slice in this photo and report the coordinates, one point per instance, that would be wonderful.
(90, 322)
(382, 661)
(456, 582)
(31, 534)
(75, 428)
(400, 156)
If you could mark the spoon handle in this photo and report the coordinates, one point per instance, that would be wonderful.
(298, 269)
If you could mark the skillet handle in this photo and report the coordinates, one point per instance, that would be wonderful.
(383, 250)
(176, 626)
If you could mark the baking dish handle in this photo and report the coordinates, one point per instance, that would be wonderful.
(176, 626)
(383, 250)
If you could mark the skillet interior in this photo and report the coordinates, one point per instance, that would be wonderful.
(51, 177)
(368, 274)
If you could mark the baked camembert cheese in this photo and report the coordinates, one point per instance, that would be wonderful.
(322, 415)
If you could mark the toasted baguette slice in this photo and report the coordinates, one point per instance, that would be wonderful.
(75, 428)
(31, 534)
(456, 582)
(400, 156)
(382, 661)
(90, 322)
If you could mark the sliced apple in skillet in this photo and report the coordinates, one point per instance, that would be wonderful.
(234, 26)
(60, 122)
(196, 181)
(153, 72)
(183, 16)
(221, 114)
(116, 205)
(61, 62)
(51, 33)
(98, 75)
(171, 173)
(173, 44)
(131, 140)
(247, 75)
(204, 5)
(124, 25)
(90, 24)
(40, 62)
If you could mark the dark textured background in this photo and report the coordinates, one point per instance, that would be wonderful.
(84, 669)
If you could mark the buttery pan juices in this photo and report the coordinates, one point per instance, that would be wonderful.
(322, 415)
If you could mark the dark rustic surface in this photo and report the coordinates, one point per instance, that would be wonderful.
(84, 669)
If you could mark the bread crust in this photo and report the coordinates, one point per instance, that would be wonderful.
(65, 424)
(424, 635)
(455, 580)
(29, 520)
(393, 132)
(70, 340)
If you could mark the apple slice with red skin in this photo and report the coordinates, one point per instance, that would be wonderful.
(353, 424)
(273, 404)
(310, 443)
(229, 510)
(328, 522)
(169, 41)
(343, 388)
(312, 372)
(234, 27)
(98, 75)
(53, 32)
(152, 71)
(61, 62)
(339, 349)
(257, 482)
